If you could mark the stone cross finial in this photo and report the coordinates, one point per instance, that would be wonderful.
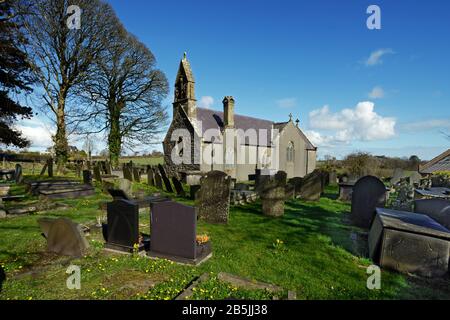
(297, 122)
(290, 116)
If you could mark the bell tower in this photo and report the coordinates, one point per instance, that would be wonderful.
(184, 95)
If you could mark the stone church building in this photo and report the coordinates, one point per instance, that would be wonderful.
(225, 141)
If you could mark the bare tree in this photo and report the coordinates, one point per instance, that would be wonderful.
(125, 95)
(62, 57)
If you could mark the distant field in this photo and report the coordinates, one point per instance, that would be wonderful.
(143, 160)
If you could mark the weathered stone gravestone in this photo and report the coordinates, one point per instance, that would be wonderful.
(178, 187)
(437, 209)
(368, 193)
(213, 198)
(409, 242)
(173, 234)
(18, 174)
(397, 175)
(165, 179)
(64, 237)
(125, 186)
(87, 177)
(127, 174)
(150, 177)
(44, 168)
(137, 174)
(415, 178)
(97, 173)
(78, 167)
(333, 178)
(311, 187)
(158, 180)
(272, 193)
(193, 191)
(123, 225)
(108, 168)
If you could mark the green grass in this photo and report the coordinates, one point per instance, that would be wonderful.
(308, 250)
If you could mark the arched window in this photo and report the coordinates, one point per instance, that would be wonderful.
(290, 152)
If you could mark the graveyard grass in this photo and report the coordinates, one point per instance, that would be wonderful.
(309, 250)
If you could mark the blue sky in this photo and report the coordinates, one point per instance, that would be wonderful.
(384, 91)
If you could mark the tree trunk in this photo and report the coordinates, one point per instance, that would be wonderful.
(114, 137)
(60, 139)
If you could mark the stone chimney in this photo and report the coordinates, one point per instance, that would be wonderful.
(228, 111)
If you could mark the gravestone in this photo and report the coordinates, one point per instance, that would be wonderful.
(173, 233)
(78, 167)
(311, 187)
(272, 192)
(137, 174)
(368, 193)
(108, 168)
(409, 242)
(165, 179)
(213, 198)
(150, 177)
(18, 174)
(333, 178)
(127, 174)
(87, 177)
(415, 178)
(44, 168)
(193, 190)
(97, 173)
(178, 187)
(437, 209)
(123, 225)
(397, 175)
(158, 180)
(50, 167)
(125, 186)
(64, 237)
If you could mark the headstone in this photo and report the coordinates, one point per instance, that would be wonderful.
(87, 177)
(165, 178)
(437, 209)
(18, 175)
(127, 174)
(397, 175)
(158, 180)
(409, 242)
(50, 167)
(44, 168)
(311, 188)
(108, 168)
(66, 238)
(123, 225)
(78, 167)
(178, 187)
(97, 173)
(150, 177)
(213, 198)
(125, 186)
(137, 174)
(193, 190)
(368, 193)
(415, 178)
(272, 192)
(171, 218)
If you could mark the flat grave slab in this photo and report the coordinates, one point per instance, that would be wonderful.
(435, 192)
(409, 242)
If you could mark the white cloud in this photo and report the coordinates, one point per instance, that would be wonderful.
(426, 125)
(287, 103)
(359, 124)
(206, 102)
(37, 132)
(375, 57)
(376, 93)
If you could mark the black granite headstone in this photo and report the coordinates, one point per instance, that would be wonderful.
(178, 187)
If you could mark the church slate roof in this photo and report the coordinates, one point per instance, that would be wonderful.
(212, 119)
(439, 163)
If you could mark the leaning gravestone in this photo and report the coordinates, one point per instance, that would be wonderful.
(368, 193)
(150, 177)
(213, 198)
(165, 179)
(18, 175)
(44, 168)
(173, 233)
(50, 167)
(87, 177)
(437, 209)
(123, 225)
(311, 186)
(137, 174)
(127, 174)
(158, 180)
(272, 192)
(66, 238)
(178, 187)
